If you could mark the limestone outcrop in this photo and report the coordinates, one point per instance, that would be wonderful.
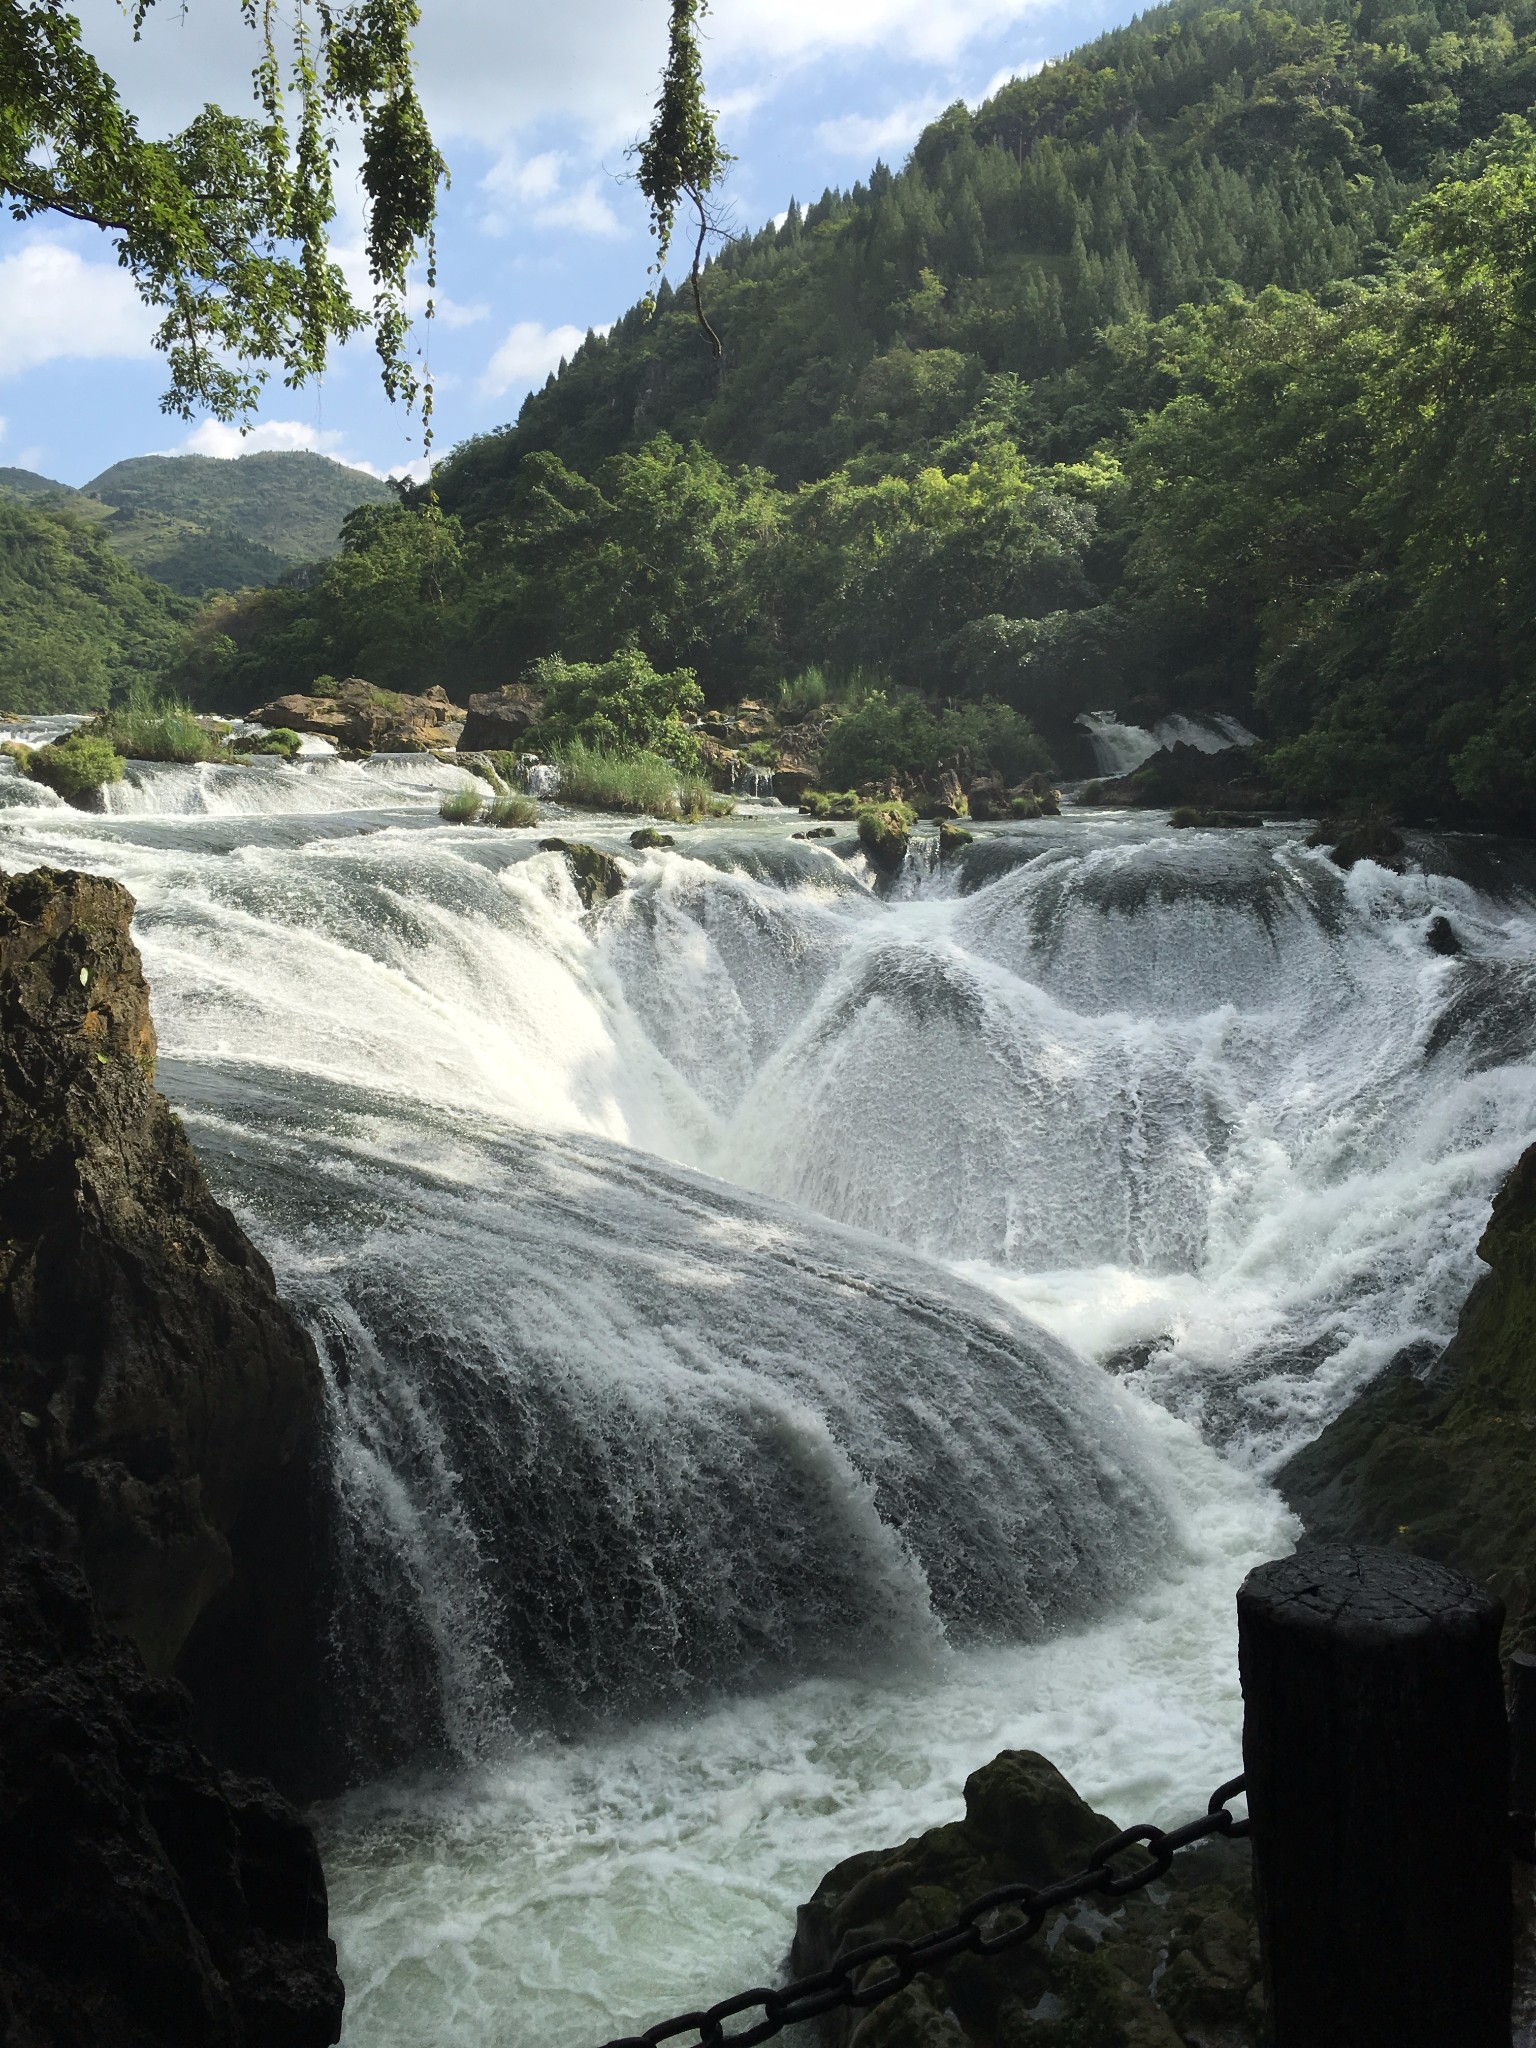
(364, 719)
(501, 720)
(163, 1395)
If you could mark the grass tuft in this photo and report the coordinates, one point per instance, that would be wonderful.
(460, 807)
(512, 810)
(645, 783)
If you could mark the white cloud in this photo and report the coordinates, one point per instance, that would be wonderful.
(890, 134)
(214, 437)
(53, 305)
(527, 356)
(1006, 76)
(933, 31)
(533, 190)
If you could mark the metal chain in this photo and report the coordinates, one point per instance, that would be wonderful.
(978, 1932)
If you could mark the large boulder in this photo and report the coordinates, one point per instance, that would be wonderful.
(1441, 1459)
(501, 720)
(596, 876)
(1148, 1971)
(147, 1899)
(165, 1398)
(362, 718)
(1182, 774)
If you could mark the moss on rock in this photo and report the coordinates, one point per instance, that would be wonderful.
(884, 830)
(597, 876)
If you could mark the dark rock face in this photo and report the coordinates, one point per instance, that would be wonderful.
(1360, 839)
(162, 1393)
(1443, 1462)
(147, 1900)
(365, 719)
(1180, 1967)
(1182, 774)
(597, 876)
(501, 718)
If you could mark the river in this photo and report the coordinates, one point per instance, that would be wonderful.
(787, 1342)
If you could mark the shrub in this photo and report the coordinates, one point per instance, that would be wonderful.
(830, 803)
(513, 810)
(633, 782)
(803, 693)
(75, 766)
(622, 706)
(460, 806)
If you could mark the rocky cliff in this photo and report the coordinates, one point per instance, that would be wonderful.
(1445, 1465)
(160, 1419)
(161, 1392)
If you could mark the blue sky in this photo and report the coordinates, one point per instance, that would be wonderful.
(541, 236)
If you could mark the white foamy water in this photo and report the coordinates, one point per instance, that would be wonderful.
(1119, 748)
(714, 1288)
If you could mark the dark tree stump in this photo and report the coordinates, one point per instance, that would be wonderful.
(1377, 1755)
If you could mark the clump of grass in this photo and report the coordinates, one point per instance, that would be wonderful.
(513, 810)
(460, 806)
(803, 693)
(75, 766)
(646, 783)
(148, 728)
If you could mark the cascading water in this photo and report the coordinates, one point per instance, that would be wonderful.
(1118, 748)
(710, 1288)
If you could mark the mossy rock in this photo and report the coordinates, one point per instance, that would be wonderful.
(597, 876)
(1358, 839)
(77, 767)
(884, 832)
(825, 803)
(952, 838)
(648, 837)
(1174, 1965)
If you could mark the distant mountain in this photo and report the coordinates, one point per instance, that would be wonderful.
(197, 523)
(292, 503)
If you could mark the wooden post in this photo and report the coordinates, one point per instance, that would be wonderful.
(1377, 1754)
(1522, 1732)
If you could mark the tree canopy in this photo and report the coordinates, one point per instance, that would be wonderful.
(225, 227)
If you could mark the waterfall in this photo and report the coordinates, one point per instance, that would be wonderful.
(1119, 749)
(785, 1341)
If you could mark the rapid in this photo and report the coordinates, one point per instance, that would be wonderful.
(789, 1338)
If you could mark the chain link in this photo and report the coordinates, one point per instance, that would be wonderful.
(858, 1980)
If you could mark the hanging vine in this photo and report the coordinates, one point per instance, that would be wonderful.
(681, 157)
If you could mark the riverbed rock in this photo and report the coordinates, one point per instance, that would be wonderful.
(362, 718)
(1175, 1966)
(501, 719)
(790, 784)
(952, 838)
(1181, 774)
(147, 1899)
(170, 1403)
(1442, 1461)
(1358, 839)
(648, 838)
(597, 876)
(884, 831)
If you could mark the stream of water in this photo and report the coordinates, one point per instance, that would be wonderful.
(787, 1342)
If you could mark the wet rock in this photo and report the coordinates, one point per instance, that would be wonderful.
(952, 838)
(1440, 1460)
(1184, 775)
(147, 1899)
(1360, 839)
(1035, 797)
(790, 784)
(1176, 1964)
(365, 719)
(884, 831)
(500, 720)
(648, 836)
(1185, 815)
(177, 1404)
(988, 797)
(1441, 938)
(597, 876)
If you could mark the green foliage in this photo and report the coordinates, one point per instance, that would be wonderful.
(618, 707)
(512, 810)
(289, 501)
(224, 228)
(150, 728)
(279, 741)
(882, 741)
(884, 830)
(76, 765)
(461, 806)
(639, 782)
(77, 625)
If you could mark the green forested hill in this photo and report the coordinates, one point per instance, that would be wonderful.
(291, 502)
(76, 622)
(1198, 147)
(1195, 372)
